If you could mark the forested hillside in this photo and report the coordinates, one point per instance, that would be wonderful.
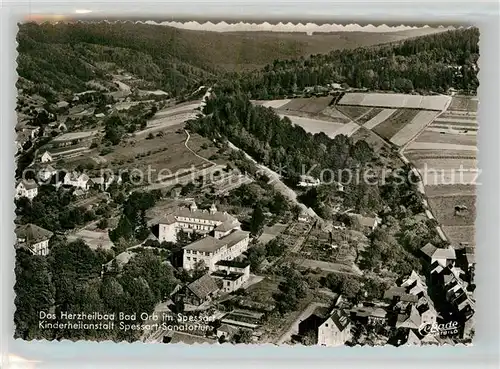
(425, 64)
(67, 55)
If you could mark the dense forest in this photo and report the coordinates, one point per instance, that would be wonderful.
(69, 280)
(65, 57)
(430, 63)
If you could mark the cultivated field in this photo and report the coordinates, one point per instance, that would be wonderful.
(396, 122)
(372, 113)
(275, 104)
(413, 128)
(371, 138)
(447, 138)
(315, 125)
(335, 115)
(440, 146)
(464, 103)
(347, 129)
(396, 101)
(353, 112)
(458, 234)
(443, 208)
(313, 105)
(413, 155)
(379, 118)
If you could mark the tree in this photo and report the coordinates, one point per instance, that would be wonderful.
(258, 219)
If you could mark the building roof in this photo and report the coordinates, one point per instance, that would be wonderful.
(226, 328)
(75, 176)
(29, 185)
(203, 286)
(366, 311)
(393, 292)
(412, 338)
(227, 225)
(179, 337)
(366, 221)
(234, 237)
(233, 263)
(429, 249)
(205, 244)
(412, 320)
(32, 233)
(229, 276)
(169, 219)
(447, 253)
(340, 319)
(202, 214)
(48, 168)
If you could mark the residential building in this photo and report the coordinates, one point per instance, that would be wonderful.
(233, 274)
(209, 250)
(308, 181)
(34, 238)
(443, 256)
(226, 332)
(46, 157)
(104, 183)
(194, 220)
(368, 223)
(331, 330)
(25, 188)
(369, 315)
(77, 180)
(46, 173)
(202, 290)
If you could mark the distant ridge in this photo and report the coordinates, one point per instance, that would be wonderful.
(288, 27)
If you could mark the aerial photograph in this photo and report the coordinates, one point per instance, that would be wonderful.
(216, 183)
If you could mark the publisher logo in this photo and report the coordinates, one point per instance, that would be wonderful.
(435, 329)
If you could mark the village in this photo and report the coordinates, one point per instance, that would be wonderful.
(239, 262)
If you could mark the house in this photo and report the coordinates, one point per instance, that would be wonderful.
(226, 332)
(34, 238)
(409, 319)
(369, 315)
(443, 256)
(303, 217)
(331, 330)
(210, 250)
(77, 180)
(46, 157)
(233, 274)
(104, 183)
(204, 289)
(46, 173)
(194, 220)
(308, 181)
(25, 188)
(367, 223)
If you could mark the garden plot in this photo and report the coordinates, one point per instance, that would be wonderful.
(379, 118)
(315, 125)
(382, 100)
(275, 104)
(395, 122)
(447, 138)
(417, 124)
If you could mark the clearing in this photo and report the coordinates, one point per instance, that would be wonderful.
(315, 125)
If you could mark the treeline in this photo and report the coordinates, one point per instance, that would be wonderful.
(424, 64)
(69, 280)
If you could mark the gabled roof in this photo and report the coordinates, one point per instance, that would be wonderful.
(227, 225)
(411, 320)
(447, 253)
(429, 249)
(340, 319)
(412, 339)
(48, 168)
(205, 244)
(29, 185)
(32, 233)
(203, 286)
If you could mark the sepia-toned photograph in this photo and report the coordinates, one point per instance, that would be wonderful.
(245, 183)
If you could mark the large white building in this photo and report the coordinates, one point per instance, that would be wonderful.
(34, 238)
(193, 219)
(27, 189)
(210, 250)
